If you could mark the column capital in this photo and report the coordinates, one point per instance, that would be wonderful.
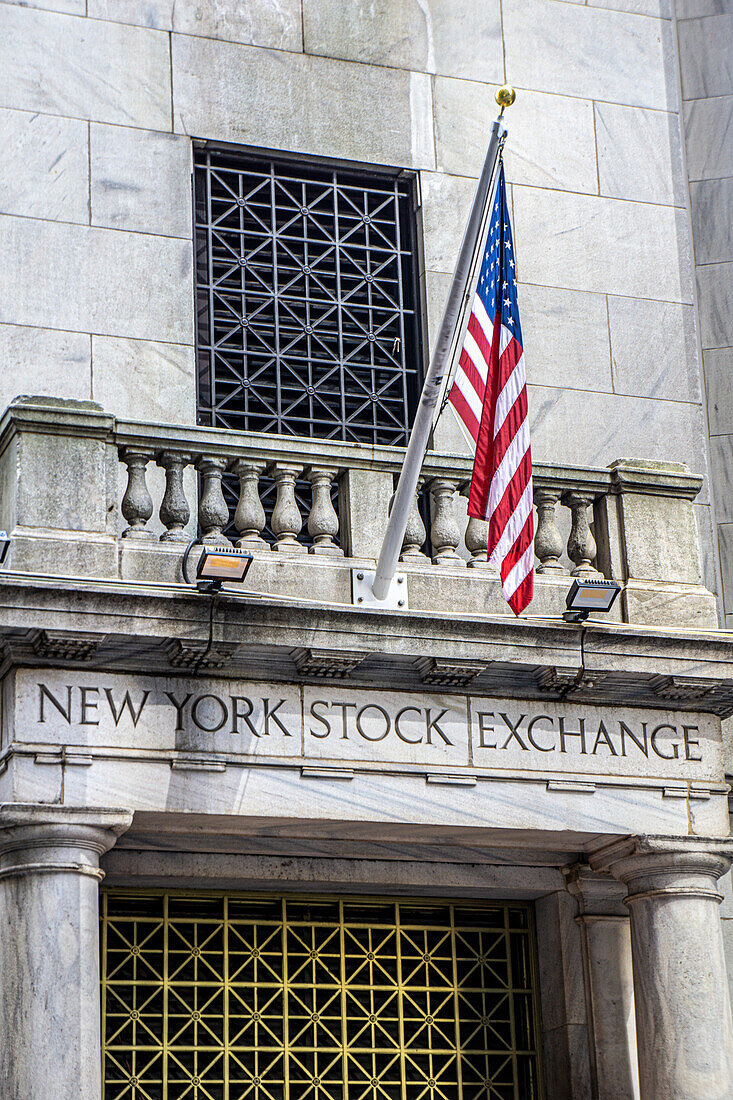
(599, 896)
(652, 866)
(37, 838)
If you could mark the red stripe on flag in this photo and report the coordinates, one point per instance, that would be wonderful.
(523, 594)
(464, 410)
(469, 369)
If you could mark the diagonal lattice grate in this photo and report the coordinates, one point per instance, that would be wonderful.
(227, 997)
(307, 302)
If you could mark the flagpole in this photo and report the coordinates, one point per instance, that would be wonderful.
(406, 486)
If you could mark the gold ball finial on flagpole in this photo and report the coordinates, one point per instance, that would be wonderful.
(505, 96)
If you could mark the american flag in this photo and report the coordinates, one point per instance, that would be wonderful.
(489, 394)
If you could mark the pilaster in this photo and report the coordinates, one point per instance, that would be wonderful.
(609, 986)
(683, 1012)
(49, 949)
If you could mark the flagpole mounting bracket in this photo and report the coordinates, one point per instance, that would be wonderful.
(396, 598)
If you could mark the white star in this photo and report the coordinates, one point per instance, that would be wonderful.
(510, 321)
(507, 302)
(511, 264)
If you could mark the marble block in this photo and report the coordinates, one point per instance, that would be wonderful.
(661, 335)
(446, 204)
(693, 9)
(639, 154)
(660, 8)
(125, 284)
(705, 63)
(45, 167)
(70, 7)
(60, 362)
(454, 37)
(140, 180)
(275, 23)
(616, 57)
(715, 304)
(718, 365)
(104, 71)
(712, 220)
(566, 338)
(725, 538)
(145, 380)
(551, 141)
(581, 242)
(301, 103)
(721, 464)
(651, 429)
(708, 126)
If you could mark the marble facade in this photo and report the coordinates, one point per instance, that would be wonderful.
(288, 740)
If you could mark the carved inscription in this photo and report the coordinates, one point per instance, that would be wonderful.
(360, 725)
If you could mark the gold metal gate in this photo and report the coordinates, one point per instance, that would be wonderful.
(240, 997)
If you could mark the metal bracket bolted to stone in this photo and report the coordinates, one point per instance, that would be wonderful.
(362, 595)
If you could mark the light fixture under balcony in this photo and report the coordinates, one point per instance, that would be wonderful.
(216, 565)
(586, 596)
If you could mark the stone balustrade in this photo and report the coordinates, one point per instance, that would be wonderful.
(86, 494)
(322, 527)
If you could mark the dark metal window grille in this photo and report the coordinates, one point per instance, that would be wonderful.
(307, 300)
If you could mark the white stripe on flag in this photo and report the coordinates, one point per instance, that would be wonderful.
(463, 383)
(513, 528)
(473, 351)
(486, 323)
(504, 402)
(508, 467)
(522, 569)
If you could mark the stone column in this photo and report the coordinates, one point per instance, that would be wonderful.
(683, 1012)
(606, 948)
(49, 949)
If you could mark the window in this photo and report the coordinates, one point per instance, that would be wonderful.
(307, 301)
(285, 998)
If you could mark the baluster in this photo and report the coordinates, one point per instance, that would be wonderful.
(286, 518)
(249, 517)
(548, 544)
(581, 544)
(444, 531)
(174, 510)
(323, 522)
(414, 533)
(213, 510)
(137, 504)
(476, 539)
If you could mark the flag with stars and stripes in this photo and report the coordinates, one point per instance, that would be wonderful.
(489, 394)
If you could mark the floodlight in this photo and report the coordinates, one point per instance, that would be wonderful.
(4, 545)
(216, 565)
(586, 596)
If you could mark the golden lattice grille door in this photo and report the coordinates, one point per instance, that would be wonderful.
(213, 997)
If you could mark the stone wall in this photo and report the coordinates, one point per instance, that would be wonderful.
(99, 98)
(705, 30)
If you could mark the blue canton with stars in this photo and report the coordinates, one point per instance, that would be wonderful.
(497, 280)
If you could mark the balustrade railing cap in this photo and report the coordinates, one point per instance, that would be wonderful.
(656, 478)
(55, 416)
